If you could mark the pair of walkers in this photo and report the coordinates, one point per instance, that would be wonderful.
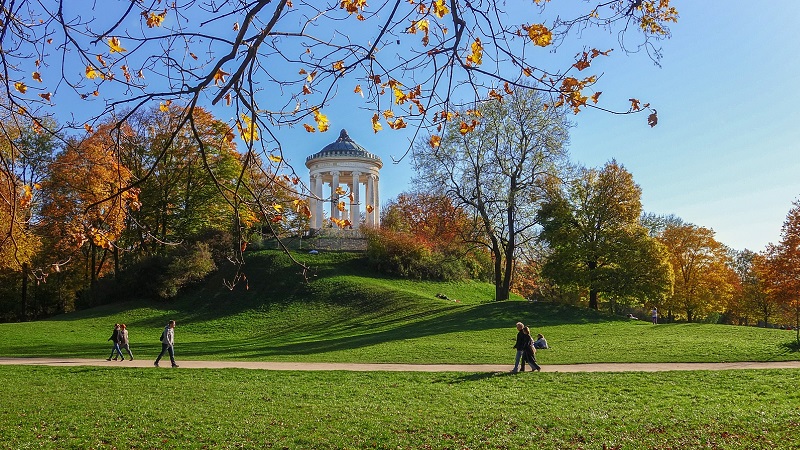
(526, 352)
(119, 341)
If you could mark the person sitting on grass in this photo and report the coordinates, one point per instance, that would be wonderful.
(540, 342)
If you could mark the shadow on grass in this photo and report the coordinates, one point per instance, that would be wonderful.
(791, 347)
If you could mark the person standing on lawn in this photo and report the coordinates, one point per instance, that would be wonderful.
(115, 336)
(167, 343)
(519, 346)
(123, 340)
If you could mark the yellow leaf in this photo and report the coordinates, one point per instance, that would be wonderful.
(164, 106)
(20, 87)
(376, 123)
(91, 73)
(311, 76)
(358, 90)
(274, 158)
(439, 9)
(340, 206)
(338, 65)
(321, 119)
(476, 57)
(339, 190)
(115, 46)
(277, 207)
(370, 208)
(539, 34)
(247, 129)
(154, 20)
(37, 77)
(388, 114)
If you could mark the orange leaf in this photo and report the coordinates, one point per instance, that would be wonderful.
(219, 77)
(539, 34)
(358, 90)
(46, 96)
(439, 9)
(37, 77)
(20, 87)
(596, 95)
(309, 128)
(435, 141)
(376, 123)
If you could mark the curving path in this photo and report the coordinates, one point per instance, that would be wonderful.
(390, 367)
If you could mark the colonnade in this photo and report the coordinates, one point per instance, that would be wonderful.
(345, 186)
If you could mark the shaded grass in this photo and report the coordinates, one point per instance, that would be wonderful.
(93, 407)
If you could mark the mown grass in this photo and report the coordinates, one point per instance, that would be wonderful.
(349, 314)
(93, 407)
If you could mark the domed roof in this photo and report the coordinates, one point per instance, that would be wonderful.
(344, 147)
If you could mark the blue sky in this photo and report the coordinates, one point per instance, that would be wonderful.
(725, 152)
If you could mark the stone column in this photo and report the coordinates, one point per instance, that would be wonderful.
(355, 210)
(370, 194)
(377, 203)
(334, 195)
(318, 210)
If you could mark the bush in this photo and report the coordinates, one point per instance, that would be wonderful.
(164, 276)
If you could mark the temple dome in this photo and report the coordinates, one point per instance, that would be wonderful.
(344, 147)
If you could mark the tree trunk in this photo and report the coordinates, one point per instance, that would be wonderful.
(592, 289)
(24, 311)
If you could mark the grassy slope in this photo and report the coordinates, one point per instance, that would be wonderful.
(348, 313)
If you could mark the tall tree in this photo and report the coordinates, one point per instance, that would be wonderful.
(703, 277)
(597, 241)
(751, 299)
(499, 171)
(282, 63)
(784, 267)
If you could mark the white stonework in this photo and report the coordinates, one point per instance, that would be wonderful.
(345, 164)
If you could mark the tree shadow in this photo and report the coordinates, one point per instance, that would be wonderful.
(791, 347)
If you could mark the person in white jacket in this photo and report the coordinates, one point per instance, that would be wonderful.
(167, 343)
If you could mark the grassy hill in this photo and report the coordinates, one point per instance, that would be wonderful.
(347, 312)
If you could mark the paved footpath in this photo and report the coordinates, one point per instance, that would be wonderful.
(360, 367)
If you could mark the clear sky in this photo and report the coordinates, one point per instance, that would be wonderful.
(725, 152)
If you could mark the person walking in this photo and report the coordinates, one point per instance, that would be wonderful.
(123, 340)
(519, 346)
(115, 336)
(530, 351)
(167, 343)
(654, 315)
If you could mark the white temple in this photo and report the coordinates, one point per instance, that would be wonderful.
(344, 164)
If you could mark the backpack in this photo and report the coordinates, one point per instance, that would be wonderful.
(163, 335)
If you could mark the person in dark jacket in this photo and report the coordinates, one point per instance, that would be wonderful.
(520, 347)
(529, 353)
(115, 337)
(168, 344)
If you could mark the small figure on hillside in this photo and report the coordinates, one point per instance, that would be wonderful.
(115, 351)
(530, 350)
(167, 343)
(540, 342)
(123, 340)
(654, 315)
(520, 348)
(632, 317)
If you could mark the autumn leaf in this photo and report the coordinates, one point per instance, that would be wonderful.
(507, 88)
(247, 129)
(388, 114)
(277, 207)
(476, 57)
(219, 77)
(370, 208)
(539, 34)
(376, 123)
(115, 46)
(435, 141)
(164, 106)
(193, 56)
(652, 119)
(37, 77)
(309, 128)
(88, 128)
(322, 120)
(397, 124)
(439, 9)
(306, 89)
(46, 96)
(340, 206)
(311, 76)
(358, 90)
(101, 60)
(634, 104)
(495, 95)
(275, 158)
(339, 190)
(596, 96)
(338, 65)
(153, 19)
(20, 87)
(91, 73)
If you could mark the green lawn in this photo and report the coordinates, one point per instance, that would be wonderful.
(347, 313)
(91, 407)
